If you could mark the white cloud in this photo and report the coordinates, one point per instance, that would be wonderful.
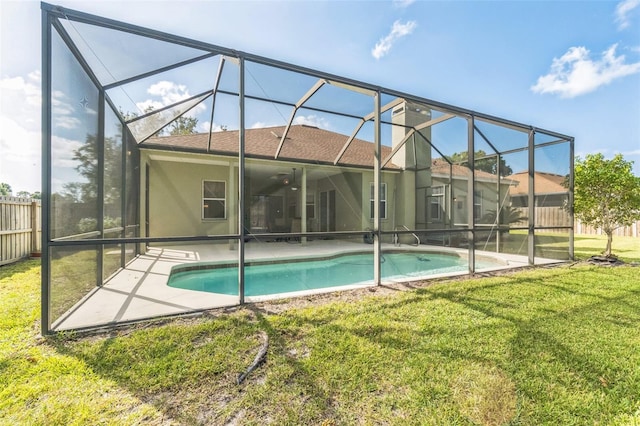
(312, 120)
(62, 151)
(260, 125)
(149, 104)
(20, 137)
(398, 30)
(20, 159)
(205, 126)
(623, 9)
(403, 3)
(21, 100)
(167, 93)
(575, 73)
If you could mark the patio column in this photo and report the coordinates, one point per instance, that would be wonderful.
(471, 189)
(45, 289)
(303, 206)
(240, 192)
(377, 253)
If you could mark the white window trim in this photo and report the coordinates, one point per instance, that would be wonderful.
(312, 204)
(478, 194)
(440, 197)
(203, 200)
(383, 201)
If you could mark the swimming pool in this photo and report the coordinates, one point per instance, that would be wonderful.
(268, 278)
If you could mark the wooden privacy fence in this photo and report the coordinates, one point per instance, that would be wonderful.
(556, 216)
(20, 229)
(625, 231)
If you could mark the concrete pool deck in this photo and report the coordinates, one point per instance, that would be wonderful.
(140, 290)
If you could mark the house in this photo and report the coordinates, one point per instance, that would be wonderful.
(550, 189)
(551, 197)
(199, 175)
(321, 181)
(121, 207)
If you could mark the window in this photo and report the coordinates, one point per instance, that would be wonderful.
(214, 199)
(311, 206)
(436, 203)
(477, 204)
(383, 201)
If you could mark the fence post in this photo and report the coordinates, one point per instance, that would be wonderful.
(34, 229)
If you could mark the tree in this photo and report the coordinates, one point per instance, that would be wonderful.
(183, 126)
(151, 125)
(606, 194)
(86, 158)
(506, 216)
(5, 189)
(485, 163)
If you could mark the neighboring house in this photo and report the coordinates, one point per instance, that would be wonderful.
(549, 189)
(485, 194)
(550, 195)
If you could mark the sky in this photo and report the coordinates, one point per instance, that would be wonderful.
(572, 67)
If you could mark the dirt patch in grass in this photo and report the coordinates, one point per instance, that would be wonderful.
(485, 395)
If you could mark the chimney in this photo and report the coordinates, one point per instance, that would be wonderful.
(416, 152)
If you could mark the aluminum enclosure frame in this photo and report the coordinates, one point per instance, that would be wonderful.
(51, 17)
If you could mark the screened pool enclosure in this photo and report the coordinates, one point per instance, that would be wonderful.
(181, 176)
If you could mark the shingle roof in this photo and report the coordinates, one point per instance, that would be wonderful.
(440, 168)
(303, 143)
(544, 183)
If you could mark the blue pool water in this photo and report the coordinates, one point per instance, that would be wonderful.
(284, 277)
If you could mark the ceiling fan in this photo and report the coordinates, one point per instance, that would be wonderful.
(287, 179)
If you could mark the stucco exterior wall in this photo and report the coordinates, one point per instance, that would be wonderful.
(175, 198)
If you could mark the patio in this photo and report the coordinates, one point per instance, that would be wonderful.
(140, 290)
(268, 160)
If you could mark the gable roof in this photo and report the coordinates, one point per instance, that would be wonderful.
(307, 144)
(303, 144)
(440, 168)
(544, 183)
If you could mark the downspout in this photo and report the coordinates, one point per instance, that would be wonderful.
(396, 240)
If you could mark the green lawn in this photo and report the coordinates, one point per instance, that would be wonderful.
(626, 248)
(541, 346)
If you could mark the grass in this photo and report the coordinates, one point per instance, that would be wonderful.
(556, 245)
(541, 346)
(626, 248)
